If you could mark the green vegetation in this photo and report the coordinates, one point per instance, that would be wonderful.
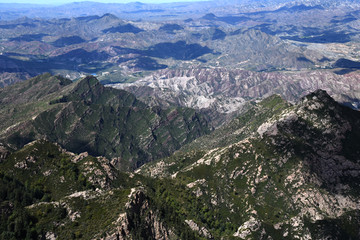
(260, 176)
(258, 186)
(41, 166)
(50, 193)
(242, 126)
(22, 101)
(15, 221)
(86, 116)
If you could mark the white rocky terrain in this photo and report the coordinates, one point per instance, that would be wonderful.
(228, 91)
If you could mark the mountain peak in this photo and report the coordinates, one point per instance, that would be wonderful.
(109, 15)
(209, 16)
(318, 99)
(87, 89)
(319, 94)
(86, 83)
(92, 80)
(87, 117)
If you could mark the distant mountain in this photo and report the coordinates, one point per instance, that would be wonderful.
(211, 125)
(123, 29)
(226, 91)
(178, 10)
(65, 41)
(111, 40)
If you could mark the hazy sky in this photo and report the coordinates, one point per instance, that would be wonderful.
(104, 1)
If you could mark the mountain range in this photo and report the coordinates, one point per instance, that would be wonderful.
(279, 170)
(222, 93)
(86, 116)
(278, 36)
(177, 10)
(203, 120)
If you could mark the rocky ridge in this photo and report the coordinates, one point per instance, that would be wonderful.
(289, 171)
(81, 196)
(296, 177)
(138, 210)
(87, 117)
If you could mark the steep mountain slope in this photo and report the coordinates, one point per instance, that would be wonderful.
(24, 101)
(47, 192)
(45, 173)
(86, 116)
(297, 177)
(241, 127)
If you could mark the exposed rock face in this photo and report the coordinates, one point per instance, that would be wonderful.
(333, 125)
(252, 225)
(299, 174)
(99, 176)
(289, 171)
(87, 117)
(50, 236)
(227, 91)
(138, 211)
(201, 230)
(3, 153)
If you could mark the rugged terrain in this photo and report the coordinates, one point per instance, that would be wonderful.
(266, 36)
(291, 174)
(180, 121)
(285, 47)
(287, 171)
(118, 50)
(71, 196)
(86, 116)
(223, 93)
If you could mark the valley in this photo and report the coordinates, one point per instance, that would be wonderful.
(191, 120)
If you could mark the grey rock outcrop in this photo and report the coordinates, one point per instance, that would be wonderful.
(227, 91)
(3, 153)
(138, 211)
